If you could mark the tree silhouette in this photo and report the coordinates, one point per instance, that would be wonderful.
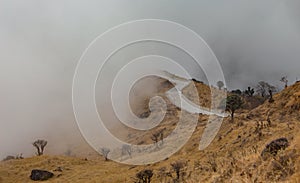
(220, 84)
(178, 167)
(233, 103)
(263, 88)
(285, 81)
(105, 151)
(237, 92)
(126, 149)
(144, 176)
(249, 92)
(40, 146)
(157, 137)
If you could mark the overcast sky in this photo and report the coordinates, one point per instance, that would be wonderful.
(42, 41)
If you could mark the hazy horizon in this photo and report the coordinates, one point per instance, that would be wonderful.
(42, 41)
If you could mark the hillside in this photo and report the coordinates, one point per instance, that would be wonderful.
(233, 156)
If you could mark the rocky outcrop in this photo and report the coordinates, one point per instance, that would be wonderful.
(40, 175)
(273, 147)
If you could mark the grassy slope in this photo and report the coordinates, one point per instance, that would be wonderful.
(234, 155)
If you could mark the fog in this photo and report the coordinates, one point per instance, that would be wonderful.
(42, 41)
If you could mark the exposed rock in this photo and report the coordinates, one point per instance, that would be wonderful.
(40, 175)
(273, 147)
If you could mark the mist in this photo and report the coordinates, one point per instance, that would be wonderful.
(42, 41)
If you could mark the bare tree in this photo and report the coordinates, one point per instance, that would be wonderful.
(105, 151)
(269, 120)
(155, 138)
(220, 84)
(40, 146)
(263, 88)
(271, 96)
(271, 90)
(178, 167)
(285, 81)
(158, 136)
(126, 149)
(162, 136)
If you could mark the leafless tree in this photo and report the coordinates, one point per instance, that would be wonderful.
(40, 146)
(179, 167)
(105, 151)
(220, 84)
(285, 81)
(271, 90)
(155, 138)
(271, 96)
(264, 87)
(126, 149)
(158, 136)
(162, 135)
(269, 120)
(261, 88)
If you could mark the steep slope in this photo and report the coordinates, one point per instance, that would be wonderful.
(233, 156)
(286, 102)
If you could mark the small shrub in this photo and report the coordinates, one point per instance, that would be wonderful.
(179, 168)
(144, 176)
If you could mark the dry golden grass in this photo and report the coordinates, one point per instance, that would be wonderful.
(233, 156)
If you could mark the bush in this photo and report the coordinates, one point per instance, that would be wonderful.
(231, 104)
(144, 176)
(179, 168)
